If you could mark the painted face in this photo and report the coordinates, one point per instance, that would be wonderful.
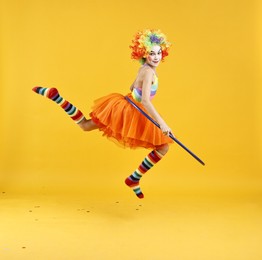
(154, 56)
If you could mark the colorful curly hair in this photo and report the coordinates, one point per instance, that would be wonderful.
(143, 42)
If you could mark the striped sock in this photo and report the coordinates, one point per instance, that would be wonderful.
(52, 93)
(133, 180)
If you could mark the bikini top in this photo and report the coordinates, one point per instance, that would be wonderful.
(137, 92)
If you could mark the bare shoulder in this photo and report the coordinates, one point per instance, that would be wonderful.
(146, 73)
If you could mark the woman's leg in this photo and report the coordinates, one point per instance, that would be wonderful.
(163, 149)
(151, 159)
(73, 112)
(88, 125)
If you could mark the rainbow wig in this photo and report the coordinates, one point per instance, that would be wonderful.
(143, 42)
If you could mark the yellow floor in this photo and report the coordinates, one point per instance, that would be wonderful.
(180, 226)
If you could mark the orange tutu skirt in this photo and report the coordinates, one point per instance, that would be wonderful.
(123, 123)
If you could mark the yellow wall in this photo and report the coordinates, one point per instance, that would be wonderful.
(209, 92)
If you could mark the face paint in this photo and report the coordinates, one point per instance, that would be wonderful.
(154, 57)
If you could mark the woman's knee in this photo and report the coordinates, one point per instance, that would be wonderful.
(163, 149)
(88, 125)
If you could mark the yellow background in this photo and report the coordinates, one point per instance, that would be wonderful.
(209, 93)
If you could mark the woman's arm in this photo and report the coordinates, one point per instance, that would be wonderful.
(132, 86)
(147, 77)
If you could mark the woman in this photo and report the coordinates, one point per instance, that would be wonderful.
(117, 118)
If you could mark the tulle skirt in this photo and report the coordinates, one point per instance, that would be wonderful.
(121, 122)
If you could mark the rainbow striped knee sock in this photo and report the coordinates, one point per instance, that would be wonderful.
(133, 180)
(53, 94)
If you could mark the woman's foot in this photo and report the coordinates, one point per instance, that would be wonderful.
(53, 94)
(134, 185)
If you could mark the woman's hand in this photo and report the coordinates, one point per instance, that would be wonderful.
(165, 128)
